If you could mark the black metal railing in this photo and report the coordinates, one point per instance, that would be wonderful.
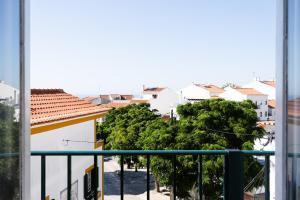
(233, 168)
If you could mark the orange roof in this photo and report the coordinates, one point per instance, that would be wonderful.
(270, 83)
(105, 96)
(115, 105)
(249, 91)
(139, 101)
(154, 90)
(211, 88)
(123, 104)
(127, 96)
(294, 108)
(50, 105)
(272, 103)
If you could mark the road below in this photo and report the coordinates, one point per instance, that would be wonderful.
(134, 183)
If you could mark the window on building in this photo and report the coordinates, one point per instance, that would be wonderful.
(260, 114)
(154, 96)
(266, 114)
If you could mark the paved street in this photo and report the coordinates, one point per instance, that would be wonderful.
(134, 183)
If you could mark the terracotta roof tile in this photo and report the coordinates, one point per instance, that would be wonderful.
(49, 105)
(272, 103)
(114, 105)
(294, 108)
(249, 91)
(139, 101)
(211, 88)
(154, 90)
(270, 83)
(126, 96)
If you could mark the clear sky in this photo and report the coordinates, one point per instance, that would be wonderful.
(9, 42)
(115, 46)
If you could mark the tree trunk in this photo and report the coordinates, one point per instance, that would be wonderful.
(136, 167)
(128, 165)
(157, 186)
(171, 193)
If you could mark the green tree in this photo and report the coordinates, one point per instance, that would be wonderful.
(123, 126)
(207, 125)
(9, 143)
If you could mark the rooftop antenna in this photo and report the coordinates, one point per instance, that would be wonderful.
(254, 76)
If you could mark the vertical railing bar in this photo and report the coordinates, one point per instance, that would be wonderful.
(294, 178)
(267, 177)
(69, 177)
(122, 178)
(43, 177)
(200, 176)
(174, 177)
(224, 176)
(96, 178)
(148, 177)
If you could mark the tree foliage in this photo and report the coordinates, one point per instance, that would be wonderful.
(207, 125)
(9, 143)
(123, 126)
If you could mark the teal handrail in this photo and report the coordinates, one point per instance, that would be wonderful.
(233, 167)
(147, 152)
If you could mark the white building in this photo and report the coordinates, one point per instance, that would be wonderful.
(8, 94)
(197, 92)
(267, 143)
(241, 94)
(115, 98)
(265, 87)
(272, 109)
(96, 100)
(60, 121)
(161, 99)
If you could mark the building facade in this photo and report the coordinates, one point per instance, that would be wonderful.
(161, 99)
(265, 87)
(60, 121)
(241, 94)
(198, 92)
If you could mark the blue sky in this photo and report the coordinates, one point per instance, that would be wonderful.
(9, 42)
(110, 46)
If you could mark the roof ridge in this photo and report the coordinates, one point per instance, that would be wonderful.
(47, 91)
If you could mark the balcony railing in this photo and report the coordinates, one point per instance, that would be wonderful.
(233, 168)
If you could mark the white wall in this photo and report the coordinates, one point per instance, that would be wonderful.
(96, 101)
(9, 93)
(194, 92)
(234, 95)
(263, 88)
(147, 96)
(262, 106)
(56, 167)
(165, 100)
(270, 147)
